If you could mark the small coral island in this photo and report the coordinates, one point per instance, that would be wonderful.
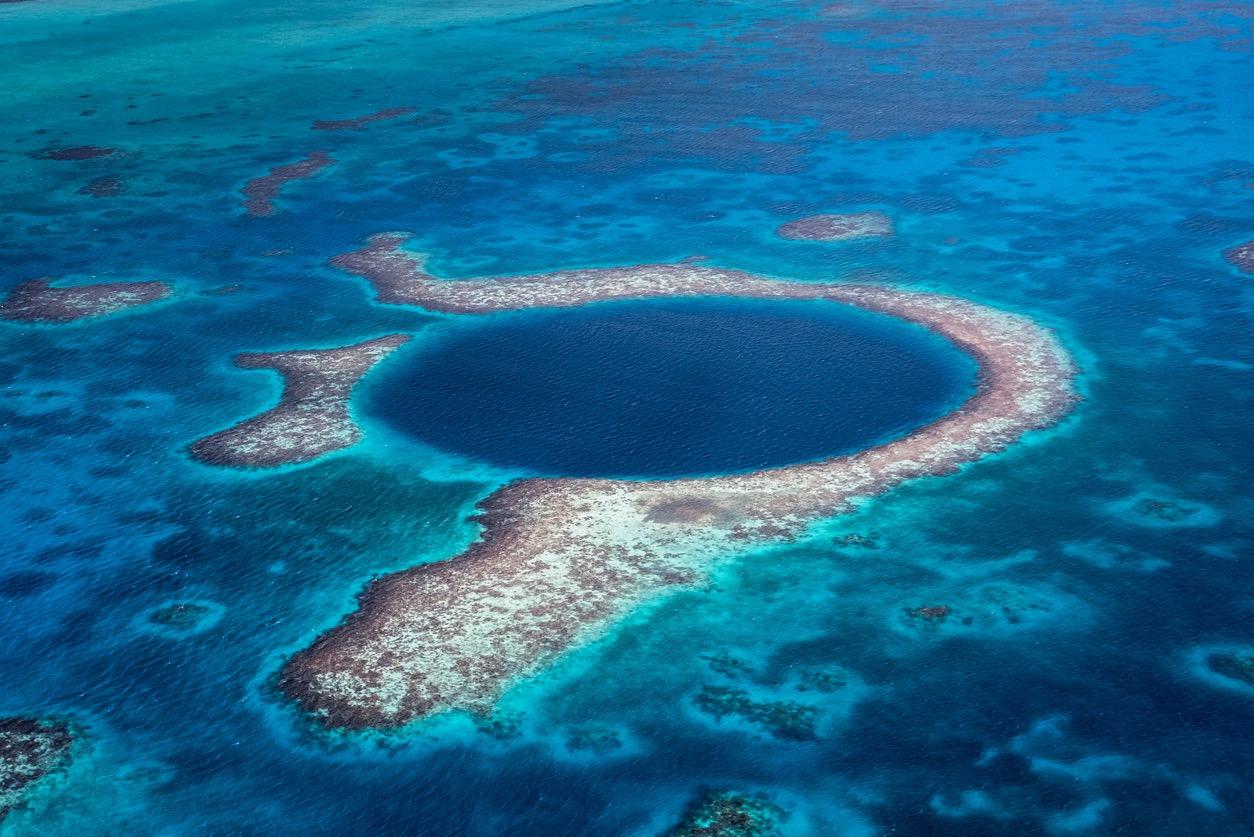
(30, 749)
(559, 561)
(312, 416)
(838, 227)
(39, 301)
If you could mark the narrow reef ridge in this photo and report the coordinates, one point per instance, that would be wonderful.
(312, 416)
(837, 227)
(260, 192)
(38, 301)
(359, 122)
(30, 749)
(560, 560)
(1241, 257)
(75, 152)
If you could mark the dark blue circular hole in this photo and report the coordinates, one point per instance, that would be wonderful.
(668, 388)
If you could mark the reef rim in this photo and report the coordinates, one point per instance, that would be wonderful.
(561, 560)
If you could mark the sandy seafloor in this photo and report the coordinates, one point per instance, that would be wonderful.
(1083, 163)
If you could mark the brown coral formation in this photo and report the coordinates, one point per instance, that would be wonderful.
(260, 192)
(75, 152)
(312, 416)
(731, 815)
(1241, 257)
(838, 227)
(39, 301)
(359, 122)
(560, 560)
(106, 186)
(30, 749)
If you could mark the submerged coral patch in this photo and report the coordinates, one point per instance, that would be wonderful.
(356, 123)
(838, 227)
(786, 720)
(1229, 667)
(1234, 666)
(1241, 257)
(730, 814)
(105, 186)
(75, 152)
(30, 749)
(993, 607)
(182, 618)
(261, 192)
(593, 740)
(1160, 511)
(39, 301)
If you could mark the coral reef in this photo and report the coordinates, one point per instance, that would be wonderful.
(1241, 257)
(728, 665)
(560, 560)
(1157, 509)
(837, 227)
(359, 122)
(75, 152)
(783, 719)
(1168, 511)
(260, 192)
(180, 615)
(820, 680)
(30, 749)
(730, 815)
(180, 619)
(106, 186)
(855, 540)
(989, 607)
(312, 416)
(1234, 666)
(932, 613)
(39, 301)
(501, 727)
(597, 739)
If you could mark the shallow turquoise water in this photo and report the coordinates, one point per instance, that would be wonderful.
(1083, 163)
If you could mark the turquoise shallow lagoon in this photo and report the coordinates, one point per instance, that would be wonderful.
(1082, 163)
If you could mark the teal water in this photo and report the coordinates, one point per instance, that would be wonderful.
(1084, 163)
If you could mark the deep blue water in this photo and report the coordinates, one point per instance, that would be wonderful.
(1082, 162)
(669, 389)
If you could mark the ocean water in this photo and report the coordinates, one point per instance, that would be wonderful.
(666, 389)
(1083, 163)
